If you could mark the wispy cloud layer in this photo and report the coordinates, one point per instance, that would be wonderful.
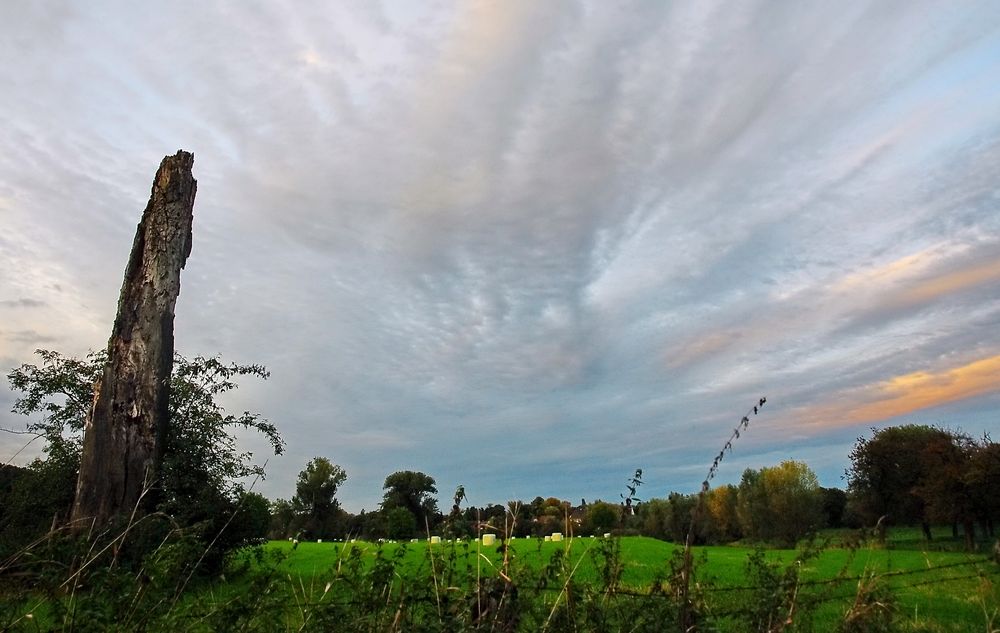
(528, 247)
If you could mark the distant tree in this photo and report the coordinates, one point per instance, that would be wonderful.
(490, 518)
(670, 519)
(558, 505)
(780, 503)
(983, 479)
(355, 524)
(374, 524)
(282, 517)
(400, 523)
(681, 514)
(834, 506)
(752, 508)
(655, 519)
(889, 470)
(536, 506)
(601, 517)
(722, 522)
(944, 488)
(794, 500)
(315, 495)
(253, 518)
(414, 491)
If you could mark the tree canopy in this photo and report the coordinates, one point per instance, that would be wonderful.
(315, 495)
(924, 474)
(887, 471)
(780, 503)
(202, 473)
(413, 491)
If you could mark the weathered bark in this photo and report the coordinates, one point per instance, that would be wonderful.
(123, 437)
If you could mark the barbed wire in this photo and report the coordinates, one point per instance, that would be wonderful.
(654, 594)
(840, 579)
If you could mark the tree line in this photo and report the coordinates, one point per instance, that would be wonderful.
(902, 475)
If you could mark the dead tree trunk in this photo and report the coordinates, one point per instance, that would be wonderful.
(123, 437)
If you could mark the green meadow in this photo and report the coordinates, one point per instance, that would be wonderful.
(934, 590)
(615, 584)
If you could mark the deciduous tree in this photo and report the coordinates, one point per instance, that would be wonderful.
(315, 494)
(601, 517)
(887, 472)
(202, 467)
(983, 478)
(780, 503)
(414, 491)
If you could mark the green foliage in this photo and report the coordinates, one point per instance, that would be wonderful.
(456, 525)
(873, 610)
(781, 503)
(911, 473)
(601, 517)
(774, 601)
(315, 497)
(413, 491)
(721, 523)
(400, 523)
(282, 517)
(653, 519)
(632, 486)
(200, 447)
(834, 507)
(627, 584)
(887, 470)
(199, 483)
(61, 389)
(40, 495)
(982, 475)
(253, 518)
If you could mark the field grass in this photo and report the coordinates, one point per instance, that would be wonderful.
(361, 586)
(935, 590)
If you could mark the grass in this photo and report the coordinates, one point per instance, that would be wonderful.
(936, 590)
(939, 590)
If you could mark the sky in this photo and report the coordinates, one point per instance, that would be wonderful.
(526, 247)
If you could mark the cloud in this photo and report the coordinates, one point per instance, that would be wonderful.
(907, 393)
(949, 283)
(30, 337)
(22, 303)
(562, 238)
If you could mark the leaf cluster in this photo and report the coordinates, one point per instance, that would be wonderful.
(202, 467)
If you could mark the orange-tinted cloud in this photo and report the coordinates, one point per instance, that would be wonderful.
(907, 393)
(911, 280)
(701, 348)
(890, 273)
(935, 287)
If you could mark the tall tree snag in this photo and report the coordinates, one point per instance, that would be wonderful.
(122, 443)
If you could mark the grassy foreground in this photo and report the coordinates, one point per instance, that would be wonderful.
(933, 590)
(581, 584)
